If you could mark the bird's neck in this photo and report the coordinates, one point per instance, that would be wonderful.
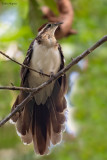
(47, 40)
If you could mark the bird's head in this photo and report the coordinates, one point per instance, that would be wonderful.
(46, 33)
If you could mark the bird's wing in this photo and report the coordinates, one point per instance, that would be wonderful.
(24, 82)
(62, 80)
(24, 70)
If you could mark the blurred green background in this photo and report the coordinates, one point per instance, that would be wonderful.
(88, 97)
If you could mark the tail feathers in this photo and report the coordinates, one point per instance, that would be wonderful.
(27, 139)
(16, 116)
(19, 99)
(47, 126)
(54, 117)
(55, 137)
(58, 97)
(43, 124)
(25, 119)
(41, 119)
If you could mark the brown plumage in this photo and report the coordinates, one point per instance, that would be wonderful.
(42, 123)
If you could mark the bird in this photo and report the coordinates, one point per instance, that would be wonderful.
(42, 120)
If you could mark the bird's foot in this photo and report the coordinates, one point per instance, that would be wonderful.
(51, 74)
(41, 72)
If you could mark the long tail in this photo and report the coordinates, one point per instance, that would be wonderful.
(42, 124)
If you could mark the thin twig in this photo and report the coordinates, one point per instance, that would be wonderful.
(23, 64)
(16, 88)
(61, 72)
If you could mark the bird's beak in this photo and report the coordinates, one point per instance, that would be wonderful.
(58, 23)
(55, 26)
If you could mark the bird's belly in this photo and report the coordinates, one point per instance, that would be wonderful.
(46, 61)
(46, 65)
(42, 95)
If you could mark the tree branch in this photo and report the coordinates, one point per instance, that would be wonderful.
(16, 88)
(23, 64)
(56, 76)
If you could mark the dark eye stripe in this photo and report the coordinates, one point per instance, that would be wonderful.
(44, 27)
(49, 25)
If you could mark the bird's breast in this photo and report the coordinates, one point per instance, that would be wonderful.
(45, 59)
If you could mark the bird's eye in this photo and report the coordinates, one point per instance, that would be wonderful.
(49, 25)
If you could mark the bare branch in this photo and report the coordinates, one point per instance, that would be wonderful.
(19, 107)
(16, 88)
(23, 64)
(61, 72)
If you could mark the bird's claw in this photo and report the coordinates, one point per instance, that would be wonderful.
(41, 72)
(51, 74)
